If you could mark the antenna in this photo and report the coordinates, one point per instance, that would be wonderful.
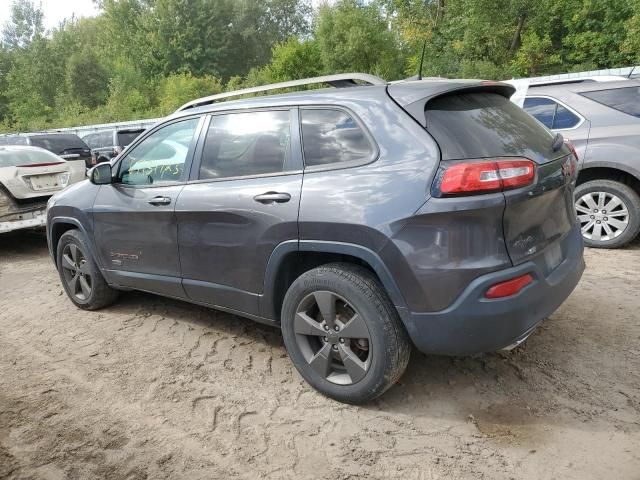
(424, 46)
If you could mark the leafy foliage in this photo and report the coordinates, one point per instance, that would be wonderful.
(144, 58)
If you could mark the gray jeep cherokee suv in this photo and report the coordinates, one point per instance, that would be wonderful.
(359, 219)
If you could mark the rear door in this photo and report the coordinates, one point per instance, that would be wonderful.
(487, 126)
(241, 203)
(135, 226)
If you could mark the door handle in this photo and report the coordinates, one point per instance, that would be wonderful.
(272, 197)
(160, 201)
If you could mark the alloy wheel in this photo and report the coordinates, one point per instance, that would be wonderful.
(333, 337)
(603, 216)
(75, 269)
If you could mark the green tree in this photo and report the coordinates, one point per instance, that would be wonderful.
(87, 79)
(25, 24)
(353, 36)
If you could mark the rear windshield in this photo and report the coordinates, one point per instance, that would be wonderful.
(13, 140)
(58, 143)
(479, 125)
(125, 138)
(625, 99)
(14, 158)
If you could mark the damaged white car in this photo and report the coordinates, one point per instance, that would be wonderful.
(29, 176)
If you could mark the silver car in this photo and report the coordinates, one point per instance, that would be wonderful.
(29, 176)
(602, 120)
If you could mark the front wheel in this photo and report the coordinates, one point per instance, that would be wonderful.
(81, 278)
(609, 213)
(343, 334)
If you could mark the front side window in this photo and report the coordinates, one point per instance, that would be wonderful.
(550, 113)
(246, 144)
(625, 99)
(332, 136)
(161, 157)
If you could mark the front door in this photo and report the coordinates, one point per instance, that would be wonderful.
(242, 202)
(134, 220)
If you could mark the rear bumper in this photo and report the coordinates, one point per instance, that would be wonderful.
(25, 219)
(474, 324)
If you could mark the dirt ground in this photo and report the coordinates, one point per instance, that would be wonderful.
(154, 388)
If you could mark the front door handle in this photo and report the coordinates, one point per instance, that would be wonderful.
(272, 197)
(160, 201)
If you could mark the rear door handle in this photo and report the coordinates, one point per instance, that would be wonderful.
(272, 197)
(160, 201)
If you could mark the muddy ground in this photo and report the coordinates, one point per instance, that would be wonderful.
(154, 388)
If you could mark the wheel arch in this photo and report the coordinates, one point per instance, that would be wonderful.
(61, 225)
(610, 171)
(291, 259)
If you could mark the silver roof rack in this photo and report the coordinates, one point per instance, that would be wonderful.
(339, 80)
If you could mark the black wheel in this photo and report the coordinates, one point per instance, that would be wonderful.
(343, 334)
(80, 275)
(609, 213)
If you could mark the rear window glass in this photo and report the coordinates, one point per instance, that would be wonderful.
(332, 136)
(479, 125)
(13, 158)
(625, 99)
(126, 138)
(13, 140)
(58, 143)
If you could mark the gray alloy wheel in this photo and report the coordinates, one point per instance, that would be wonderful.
(603, 216)
(76, 272)
(333, 338)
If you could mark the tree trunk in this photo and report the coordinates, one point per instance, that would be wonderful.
(515, 43)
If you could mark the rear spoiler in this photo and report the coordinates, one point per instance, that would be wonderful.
(413, 96)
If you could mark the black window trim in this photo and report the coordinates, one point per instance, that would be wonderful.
(188, 162)
(292, 167)
(582, 94)
(375, 150)
(581, 118)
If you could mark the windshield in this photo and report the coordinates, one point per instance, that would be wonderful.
(14, 158)
(125, 138)
(58, 143)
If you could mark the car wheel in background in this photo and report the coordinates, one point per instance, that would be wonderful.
(343, 334)
(609, 213)
(81, 278)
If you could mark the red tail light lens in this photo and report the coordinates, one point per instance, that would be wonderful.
(486, 176)
(575, 159)
(510, 287)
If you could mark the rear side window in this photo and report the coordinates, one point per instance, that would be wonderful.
(58, 143)
(480, 125)
(332, 136)
(246, 144)
(550, 113)
(625, 99)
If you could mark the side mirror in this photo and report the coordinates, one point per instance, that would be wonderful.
(101, 174)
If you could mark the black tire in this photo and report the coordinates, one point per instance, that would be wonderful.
(100, 293)
(388, 343)
(629, 198)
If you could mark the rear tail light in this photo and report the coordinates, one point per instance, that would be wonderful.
(509, 287)
(44, 164)
(575, 159)
(483, 176)
(94, 158)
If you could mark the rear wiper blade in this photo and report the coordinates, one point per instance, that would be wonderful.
(558, 140)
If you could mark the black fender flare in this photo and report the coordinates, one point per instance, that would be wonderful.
(371, 258)
(76, 223)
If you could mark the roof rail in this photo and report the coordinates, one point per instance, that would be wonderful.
(339, 80)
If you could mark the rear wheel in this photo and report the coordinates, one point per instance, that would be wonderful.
(343, 334)
(80, 276)
(609, 213)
